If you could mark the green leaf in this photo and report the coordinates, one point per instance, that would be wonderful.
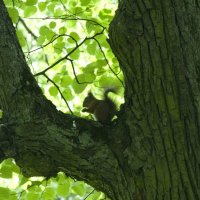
(56, 78)
(37, 183)
(60, 39)
(14, 14)
(4, 193)
(23, 180)
(21, 38)
(70, 40)
(90, 67)
(63, 190)
(94, 196)
(108, 81)
(75, 36)
(75, 55)
(107, 11)
(8, 161)
(115, 61)
(31, 2)
(58, 12)
(90, 27)
(53, 91)
(51, 7)
(1, 114)
(44, 30)
(13, 196)
(78, 10)
(6, 171)
(50, 35)
(68, 94)
(90, 77)
(81, 78)
(32, 196)
(41, 39)
(66, 80)
(52, 24)
(85, 2)
(15, 168)
(92, 48)
(102, 40)
(29, 11)
(62, 30)
(79, 189)
(58, 47)
(49, 193)
(101, 63)
(104, 15)
(94, 65)
(78, 88)
(61, 178)
(8, 3)
(42, 6)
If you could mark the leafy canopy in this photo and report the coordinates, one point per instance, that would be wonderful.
(14, 186)
(65, 44)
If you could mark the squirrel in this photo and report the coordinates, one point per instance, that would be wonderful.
(103, 110)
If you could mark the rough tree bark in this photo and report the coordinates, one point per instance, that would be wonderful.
(157, 44)
(152, 150)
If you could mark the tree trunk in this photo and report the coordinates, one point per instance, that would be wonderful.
(151, 151)
(157, 44)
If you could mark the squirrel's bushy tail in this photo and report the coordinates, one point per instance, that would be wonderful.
(109, 89)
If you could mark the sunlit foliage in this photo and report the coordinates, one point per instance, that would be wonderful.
(65, 43)
(13, 185)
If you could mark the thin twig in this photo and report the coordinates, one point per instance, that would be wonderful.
(65, 17)
(59, 92)
(27, 29)
(74, 72)
(66, 56)
(53, 39)
(108, 62)
(89, 194)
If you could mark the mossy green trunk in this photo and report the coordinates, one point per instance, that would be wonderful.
(157, 44)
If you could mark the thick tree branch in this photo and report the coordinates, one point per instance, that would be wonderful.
(46, 141)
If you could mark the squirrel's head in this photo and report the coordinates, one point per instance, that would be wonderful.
(88, 100)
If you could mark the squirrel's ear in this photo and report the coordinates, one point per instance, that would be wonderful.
(90, 94)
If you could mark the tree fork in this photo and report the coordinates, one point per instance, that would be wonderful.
(151, 150)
